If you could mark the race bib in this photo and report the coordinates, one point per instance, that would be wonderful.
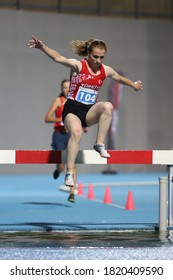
(86, 96)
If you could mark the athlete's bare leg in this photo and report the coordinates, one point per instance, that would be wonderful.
(100, 113)
(74, 127)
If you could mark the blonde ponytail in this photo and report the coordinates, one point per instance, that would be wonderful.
(82, 48)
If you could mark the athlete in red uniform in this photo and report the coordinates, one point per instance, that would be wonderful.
(82, 107)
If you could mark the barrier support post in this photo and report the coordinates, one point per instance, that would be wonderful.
(170, 196)
(163, 183)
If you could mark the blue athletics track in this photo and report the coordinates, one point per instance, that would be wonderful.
(115, 216)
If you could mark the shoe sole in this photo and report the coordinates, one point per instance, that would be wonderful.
(102, 155)
(68, 185)
(72, 201)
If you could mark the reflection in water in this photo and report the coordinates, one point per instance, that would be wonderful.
(64, 239)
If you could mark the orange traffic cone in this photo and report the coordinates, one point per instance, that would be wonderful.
(130, 202)
(107, 196)
(90, 192)
(80, 189)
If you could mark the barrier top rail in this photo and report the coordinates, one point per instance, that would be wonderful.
(152, 157)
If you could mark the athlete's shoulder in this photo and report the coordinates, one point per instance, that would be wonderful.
(108, 70)
(83, 65)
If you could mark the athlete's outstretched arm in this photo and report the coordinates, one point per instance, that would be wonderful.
(54, 55)
(123, 80)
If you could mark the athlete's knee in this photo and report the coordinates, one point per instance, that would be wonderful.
(76, 133)
(108, 107)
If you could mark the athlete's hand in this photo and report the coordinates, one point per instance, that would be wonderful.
(85, 129)
(35, 43)
(138, 85)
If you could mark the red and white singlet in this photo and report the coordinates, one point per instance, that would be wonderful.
(84, 87)
(59, 126)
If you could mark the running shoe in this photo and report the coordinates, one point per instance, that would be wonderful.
(69, 180)
(100, 148)
(71, 198)
(56, 174)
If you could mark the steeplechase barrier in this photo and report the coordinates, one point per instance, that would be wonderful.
(155, 157)
(146, 157)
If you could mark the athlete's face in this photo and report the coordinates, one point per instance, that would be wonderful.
(95, 57)
(65, 88)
